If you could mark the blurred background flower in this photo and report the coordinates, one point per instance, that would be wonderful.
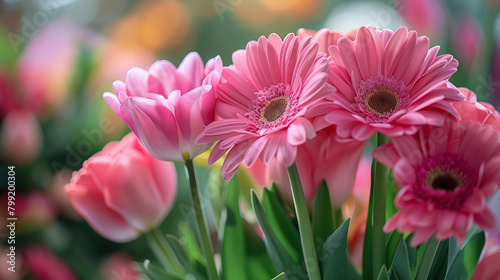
(57, 57)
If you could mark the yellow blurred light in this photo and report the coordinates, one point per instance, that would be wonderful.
(164, 25)
(280, 5)
(157, 25)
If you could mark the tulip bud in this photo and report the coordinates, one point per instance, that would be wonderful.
(123, 190)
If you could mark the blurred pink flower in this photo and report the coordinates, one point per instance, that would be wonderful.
(36, 210)
(119, 266)
(264, 102)
(425, 16)
(468, 38)
(168, 108)
(123, 191)
(388, 82)
(321, 158)
(21, 137)
(8, 102)
(325, 37)
(42, 264)
(9, 259)
(48, 62)
(472, 110)
(447, 174)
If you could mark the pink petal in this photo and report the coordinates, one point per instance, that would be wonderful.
(386, 154)
(89, 202)
(154, 125)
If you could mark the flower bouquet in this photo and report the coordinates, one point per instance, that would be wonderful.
(298, 113)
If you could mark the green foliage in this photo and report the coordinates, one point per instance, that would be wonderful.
(322, 220)
(465, 261)
(282, 260)
(335, 263)
(232, 243)
(243, 254)
(151, 272)
(281, 223)
(279, 276)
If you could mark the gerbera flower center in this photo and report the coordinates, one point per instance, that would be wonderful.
(379, 97)
(447, 180)
(382, 100)
(274, 109)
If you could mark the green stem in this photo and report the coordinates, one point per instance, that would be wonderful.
(201, 226)
(378, 190)
(427, 259)
(306, 235)
(159, 245)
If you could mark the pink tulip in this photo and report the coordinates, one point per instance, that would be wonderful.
(167, 108)
(322, 158)
(21, 137)
(427, 17)
(119, 266)
(42, 264)
(123, 191)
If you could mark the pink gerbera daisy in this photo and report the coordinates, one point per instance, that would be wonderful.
(447, 173)
(389, 82)
(264, 99)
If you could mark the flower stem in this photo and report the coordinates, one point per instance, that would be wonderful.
(201, 226)
(159, 245)
(378, 190)
(306, 235)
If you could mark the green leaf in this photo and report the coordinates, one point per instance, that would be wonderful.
(150, 272)
(334, 254)
(215, 186)
(392, 275)
(322, 220)
(466, 260)
(281, 224)
(428, 257)
(412, 252)
(401, 263)
(259, 265)
(198, 271)
(383, 275)
(233, 239)
(282, 260)
(392, 245)
(190, 244)
(439, 266)
(452, 249)
(279, 276)
(420, 252)
(367, 242)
